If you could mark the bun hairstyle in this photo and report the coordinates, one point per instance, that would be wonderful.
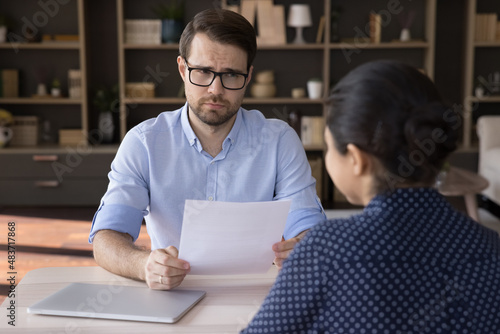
(395, 113)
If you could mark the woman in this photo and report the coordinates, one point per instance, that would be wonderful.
(409, 263)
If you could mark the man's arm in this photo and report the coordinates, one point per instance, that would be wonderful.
(161, 268)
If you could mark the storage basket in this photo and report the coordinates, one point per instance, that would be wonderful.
(25, 131)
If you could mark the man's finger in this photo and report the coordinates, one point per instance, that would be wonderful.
(168, 257)
(284, 245)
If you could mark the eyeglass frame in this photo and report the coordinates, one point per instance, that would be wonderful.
(216, 74)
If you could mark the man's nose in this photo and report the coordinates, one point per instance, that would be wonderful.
(216, 87)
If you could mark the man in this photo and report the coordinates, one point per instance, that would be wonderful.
(211, 149)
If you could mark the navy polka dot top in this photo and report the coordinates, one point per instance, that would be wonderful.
(409, 263)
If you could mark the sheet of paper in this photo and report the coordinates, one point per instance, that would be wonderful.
(228, 238)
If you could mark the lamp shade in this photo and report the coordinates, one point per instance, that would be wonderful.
(299, 16)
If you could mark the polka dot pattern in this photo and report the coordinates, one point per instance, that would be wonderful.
(408, 264)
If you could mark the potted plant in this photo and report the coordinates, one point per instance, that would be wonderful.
(171, 16)
(107, 101)
(55, 89)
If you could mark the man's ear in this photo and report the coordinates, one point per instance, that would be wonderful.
(360, 160)
(181, 65)
(250, 71)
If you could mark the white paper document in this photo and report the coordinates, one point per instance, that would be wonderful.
(229, 238)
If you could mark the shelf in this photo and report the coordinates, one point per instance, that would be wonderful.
(487, 44)
(307, 46)
(485, 99)
(314, 147)
(151, 46)
(154, 100)
(32, 100)
(42, 46)
(383, 45)
(58, 149)
(281, 100)
(247, 100)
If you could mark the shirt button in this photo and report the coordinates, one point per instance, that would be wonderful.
(212, 162)
(210, 198)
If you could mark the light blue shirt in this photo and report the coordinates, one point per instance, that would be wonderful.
(161, 163)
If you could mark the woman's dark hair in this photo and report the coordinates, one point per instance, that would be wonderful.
(395, 113)
(221, 26)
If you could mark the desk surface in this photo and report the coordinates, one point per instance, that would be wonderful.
(230, 303)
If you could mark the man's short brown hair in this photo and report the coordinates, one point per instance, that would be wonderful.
(221, 26)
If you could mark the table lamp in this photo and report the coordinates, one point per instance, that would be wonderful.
(299, 17)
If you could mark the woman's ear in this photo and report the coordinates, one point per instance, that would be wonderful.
(360, 160)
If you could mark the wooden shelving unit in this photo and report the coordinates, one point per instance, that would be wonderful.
(471, 48)
(322, 65)
(8, 49)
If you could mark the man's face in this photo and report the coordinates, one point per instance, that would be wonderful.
(213, 105)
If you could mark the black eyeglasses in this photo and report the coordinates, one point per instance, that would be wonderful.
(203, 77)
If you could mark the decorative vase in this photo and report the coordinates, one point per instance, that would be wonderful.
(171, 30)
(405, 35)
(314, 89)
(5, 136)
(3, 34)
(263, 90)
(55, 92)
(106, 127)
(479, 92)
(41, 89)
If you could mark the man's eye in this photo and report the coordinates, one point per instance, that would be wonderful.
(202, 71)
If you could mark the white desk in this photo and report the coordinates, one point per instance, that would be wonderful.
(230, 303)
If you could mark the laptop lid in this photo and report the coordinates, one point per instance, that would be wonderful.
(118, 302)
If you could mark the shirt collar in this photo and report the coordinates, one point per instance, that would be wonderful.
(191, 136)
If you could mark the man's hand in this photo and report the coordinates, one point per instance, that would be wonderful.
(284, 248)
(164, 270)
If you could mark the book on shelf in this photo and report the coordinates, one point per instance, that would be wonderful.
(267, 18)
(321, 30)
(265, 22)
(375, 27)
(279, 24)
(143, 32)
(486, 26)
(9, 83)
(248, 9)
(311, 130)
(74, 84)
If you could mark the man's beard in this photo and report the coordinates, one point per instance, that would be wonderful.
(214, 117)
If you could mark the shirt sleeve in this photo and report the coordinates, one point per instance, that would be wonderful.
(295, 182)
(297, 298)
(126, 200)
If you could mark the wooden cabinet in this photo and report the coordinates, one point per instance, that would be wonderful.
(481, 59)
(54, 176)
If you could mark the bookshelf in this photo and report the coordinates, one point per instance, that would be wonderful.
(324, 59)
(49, 173)
(478, 52)
(40, 62)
